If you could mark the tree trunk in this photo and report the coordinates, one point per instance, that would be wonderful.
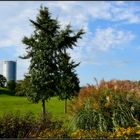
(65, 106)
(43, 110)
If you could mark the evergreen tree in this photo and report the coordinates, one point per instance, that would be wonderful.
(44, 49)
(68, 82)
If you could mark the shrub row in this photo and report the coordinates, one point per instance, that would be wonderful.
(121, 133)
(27, 126)
(17, 125)
(105, 107)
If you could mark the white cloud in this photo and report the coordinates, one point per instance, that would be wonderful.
(0, 67)
(15, 24)
(13, 37)
(108, 38)
(126, 14)
(97, 10)
(119, 2)
(76, 13)
(95, 44)
(22, 68)
(22, 64)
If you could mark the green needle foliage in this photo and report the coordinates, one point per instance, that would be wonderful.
(68, 82)
(45, 49)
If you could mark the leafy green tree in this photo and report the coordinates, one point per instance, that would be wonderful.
(2, 81)
(22, 86)
(11, 85)
(44, 48)
(18, 89)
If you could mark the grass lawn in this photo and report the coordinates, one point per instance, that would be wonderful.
(14, 103)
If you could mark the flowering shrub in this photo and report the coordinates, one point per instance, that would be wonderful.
(130, 132)
(106, 106)
(125, 133)
(53, 133)
(16, 125)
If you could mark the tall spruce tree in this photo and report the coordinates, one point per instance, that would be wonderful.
(45, 47)
(68, 82)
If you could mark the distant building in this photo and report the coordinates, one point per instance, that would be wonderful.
(9, 70)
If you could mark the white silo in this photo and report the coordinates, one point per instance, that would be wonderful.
(9, 70)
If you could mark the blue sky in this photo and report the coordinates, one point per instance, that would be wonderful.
(110, 49)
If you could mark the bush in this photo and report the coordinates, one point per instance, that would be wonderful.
(22, 86)
(121, 133)
(5, 91)
(11, 85)
(40, 126)
(16, 125)
(53, 133)
(19, 91)
(105, 107)
(130, 132)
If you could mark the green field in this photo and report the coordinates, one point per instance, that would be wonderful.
(14, 103)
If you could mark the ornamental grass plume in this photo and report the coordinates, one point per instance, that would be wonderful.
(106, 105)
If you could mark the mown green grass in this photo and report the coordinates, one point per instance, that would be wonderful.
(5, 91)
(14, 103)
